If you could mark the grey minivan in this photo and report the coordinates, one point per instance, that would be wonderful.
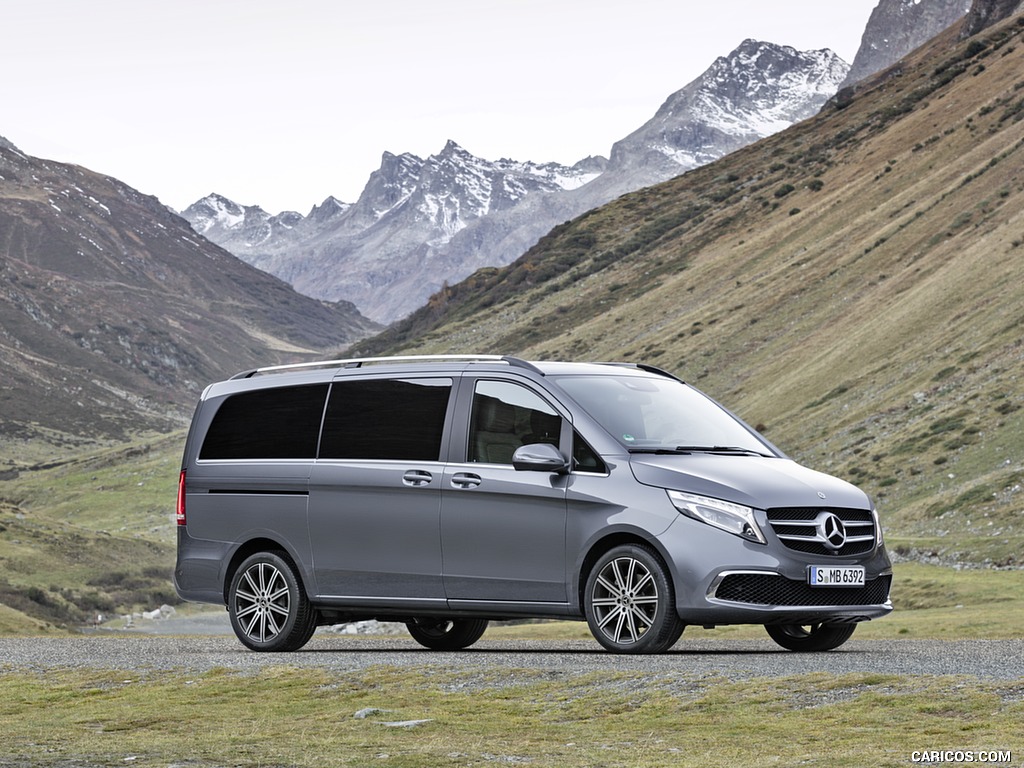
(448, 491)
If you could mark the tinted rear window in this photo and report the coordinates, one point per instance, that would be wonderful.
(280, 423)
(386, 419)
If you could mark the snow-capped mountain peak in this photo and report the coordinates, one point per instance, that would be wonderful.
(758, 89)
(237, 226)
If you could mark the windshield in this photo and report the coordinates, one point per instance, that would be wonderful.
(658, 414)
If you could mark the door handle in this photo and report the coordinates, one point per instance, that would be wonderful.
(417, 477)
(465, 480)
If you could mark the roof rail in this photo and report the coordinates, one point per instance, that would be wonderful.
(358, 362)
(648, 368)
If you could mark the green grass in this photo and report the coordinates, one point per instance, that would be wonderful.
(125, 490)
(91, 534)
(288, 716)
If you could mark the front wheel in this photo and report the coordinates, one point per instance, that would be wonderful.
(446, 634)
(268, 607)
(810, 637)
(629, 602)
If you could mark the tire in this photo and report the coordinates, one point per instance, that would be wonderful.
(809, 638)
(446, 634)
(629, 602)
(268, 606)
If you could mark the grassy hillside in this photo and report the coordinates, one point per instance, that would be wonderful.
(87, 536)
(852, 286)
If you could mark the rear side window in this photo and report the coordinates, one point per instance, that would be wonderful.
(401, 419)
(281, 423)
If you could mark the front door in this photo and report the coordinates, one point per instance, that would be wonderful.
(503, 530)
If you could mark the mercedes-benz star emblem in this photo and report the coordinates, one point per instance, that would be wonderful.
(832, 531)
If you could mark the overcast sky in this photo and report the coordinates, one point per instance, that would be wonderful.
(280, 104)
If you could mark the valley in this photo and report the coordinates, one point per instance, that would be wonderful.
(851, 286)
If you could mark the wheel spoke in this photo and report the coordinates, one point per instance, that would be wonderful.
(645, 619)
(633, 634)
(647, 577)
(652, 600)
(261, 578)
(271, 623)
(242, 613)
(620, 583)
(253, 586)
(280, 610)
(630, 575)
(603, 620)
(257, 615)
(621, 616)
(608, 586)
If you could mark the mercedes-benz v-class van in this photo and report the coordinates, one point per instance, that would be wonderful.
(446, 492)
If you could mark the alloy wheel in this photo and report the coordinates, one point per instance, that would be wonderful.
(625, 600)
(262, 602)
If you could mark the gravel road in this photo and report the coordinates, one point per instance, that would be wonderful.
(733, 659)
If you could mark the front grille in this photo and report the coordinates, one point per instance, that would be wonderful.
(804, 529)
(772, 589)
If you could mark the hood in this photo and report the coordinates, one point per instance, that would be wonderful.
(762, 483)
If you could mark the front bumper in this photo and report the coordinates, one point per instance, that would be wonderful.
(723, 579)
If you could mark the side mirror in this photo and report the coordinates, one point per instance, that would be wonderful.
(539, 457)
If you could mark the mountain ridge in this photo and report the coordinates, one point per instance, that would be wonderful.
(421, 223)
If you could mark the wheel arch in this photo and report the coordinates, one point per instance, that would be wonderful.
(608, 542)
(261, 544)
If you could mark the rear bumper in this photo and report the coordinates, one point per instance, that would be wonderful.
(199, 570)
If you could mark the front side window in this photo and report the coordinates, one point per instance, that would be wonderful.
(400, 419)
(274, 423)
(506, 416)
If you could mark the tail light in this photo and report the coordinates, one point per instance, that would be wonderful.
(180, 510)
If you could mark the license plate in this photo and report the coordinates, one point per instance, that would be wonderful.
(836, 576)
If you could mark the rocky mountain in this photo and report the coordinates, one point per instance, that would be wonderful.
(755, 91)
(114, 313)
(387, 251)
(851, 285)
(985, 13)
(896, 27)
(422, 223)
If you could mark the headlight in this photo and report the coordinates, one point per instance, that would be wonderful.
(734, 518)
(878, 525)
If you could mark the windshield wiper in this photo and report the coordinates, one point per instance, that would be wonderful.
(727, 450)
(659, 451)
(724, 450)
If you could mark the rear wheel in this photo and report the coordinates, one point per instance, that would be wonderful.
(810, 637)
(440, 634)
(629, 602)
(268, 607)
